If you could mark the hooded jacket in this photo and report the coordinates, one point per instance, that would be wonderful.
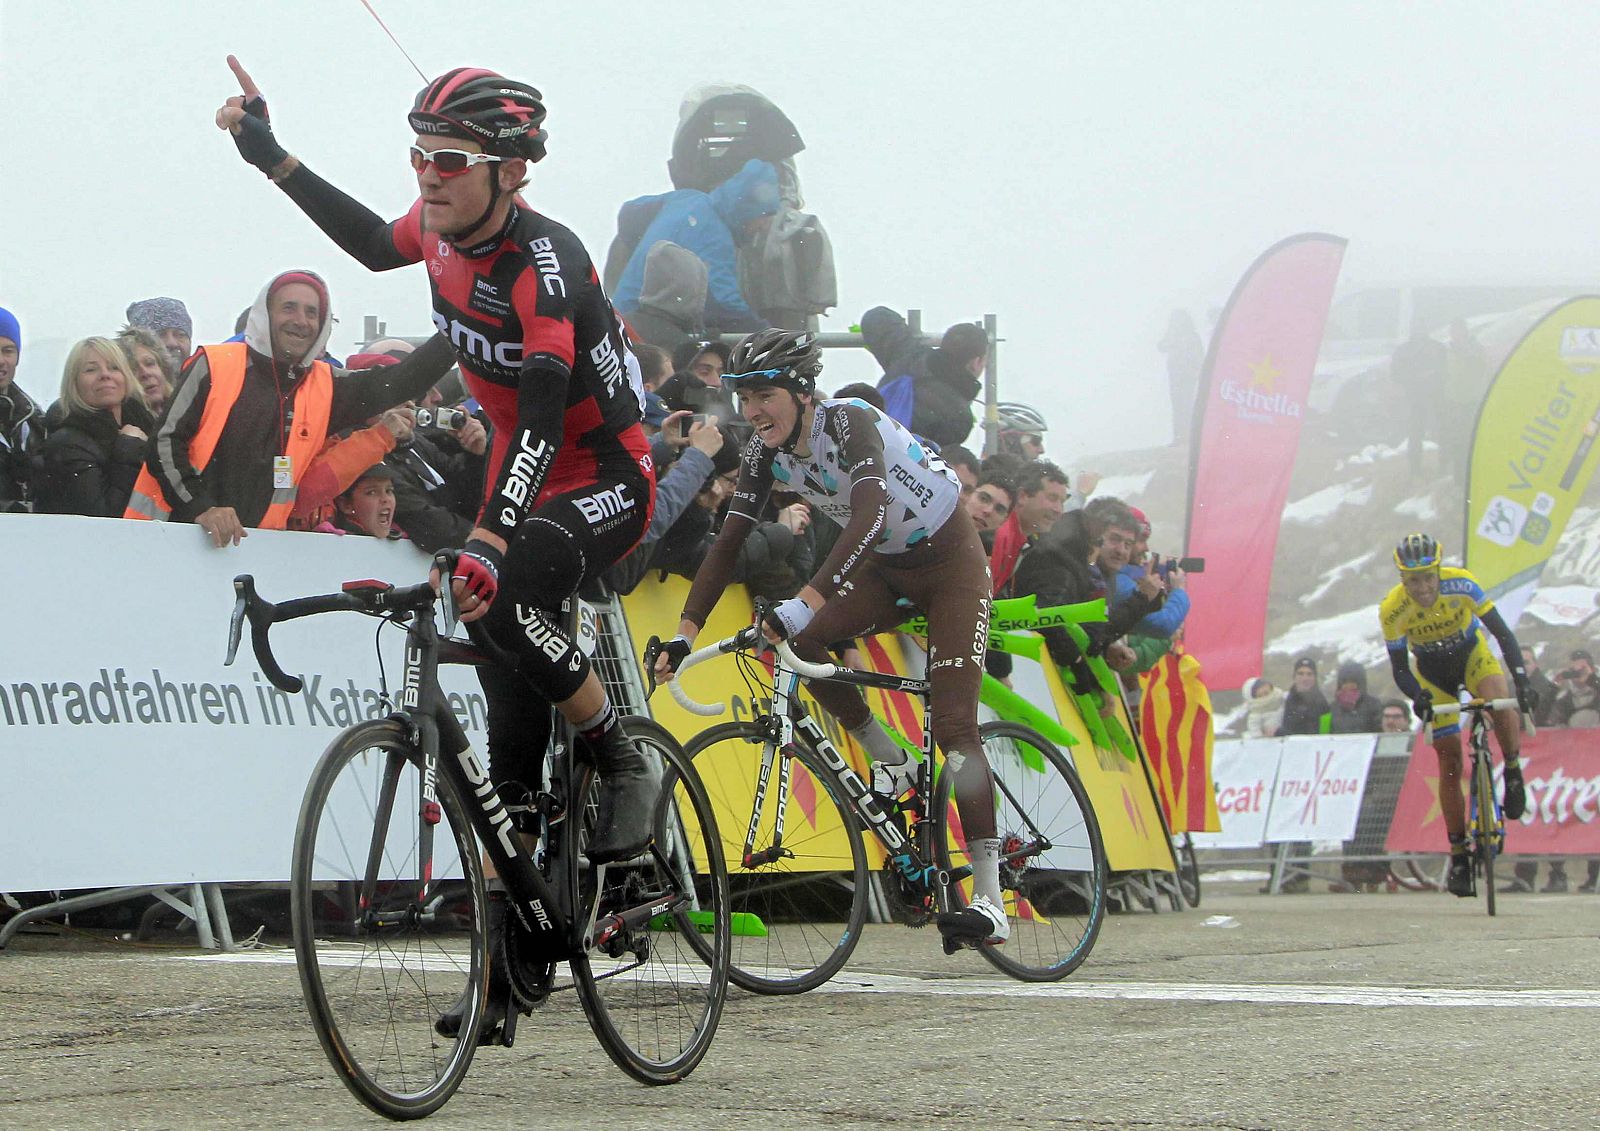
(1263, 716)
(709, 224)
(240, 471)
(672, 305)
(22, 433)
(89, 465)
(943, 389)
(1365, 715)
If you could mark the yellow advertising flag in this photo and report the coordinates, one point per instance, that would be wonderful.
(1533, 452)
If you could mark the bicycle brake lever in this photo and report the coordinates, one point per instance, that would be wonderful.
(241, 605)
(652, 650)
(445, 563)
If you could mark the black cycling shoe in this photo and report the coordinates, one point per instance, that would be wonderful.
(498, 1025)
(1516, 794)
(1459, 881)
(624, 815)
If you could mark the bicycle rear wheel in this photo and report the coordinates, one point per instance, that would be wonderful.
(798, 905)
(1053, 862)
(653, 988)
(389, 919)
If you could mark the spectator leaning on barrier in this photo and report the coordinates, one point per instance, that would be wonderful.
(989, 502)
(1263, 708)
(1304, 705)
(250, 417)
(1396, 716)
(1041, 496)
(677, 486)
(1354, 711)
(341, 462)
(169, 320)
(94, 452)
(152, 366)
(21, 424)
(1578, 701)
(367, 506)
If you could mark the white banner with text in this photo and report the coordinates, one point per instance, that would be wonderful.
(130, 754)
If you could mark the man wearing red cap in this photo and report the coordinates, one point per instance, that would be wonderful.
(250, 416)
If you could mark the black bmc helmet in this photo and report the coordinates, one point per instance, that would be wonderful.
(501, 115)
(786, 358)
(1415, 553)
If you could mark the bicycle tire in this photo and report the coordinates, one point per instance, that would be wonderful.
(375, 989)
(654, 995)
(1409, 874)
(791, 901)
(1056, 911)
(1487, 818)
(1188, 872)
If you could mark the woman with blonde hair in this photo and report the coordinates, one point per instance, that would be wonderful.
(152, 365)
(93, 456)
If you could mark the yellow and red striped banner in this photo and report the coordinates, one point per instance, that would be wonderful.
(1175, 723)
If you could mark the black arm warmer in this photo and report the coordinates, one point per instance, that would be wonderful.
(347, 222)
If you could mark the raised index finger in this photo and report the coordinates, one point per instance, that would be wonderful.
(246, 83)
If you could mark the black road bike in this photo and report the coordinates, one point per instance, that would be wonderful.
(1486, 823)
(388, 891)
(798, 857)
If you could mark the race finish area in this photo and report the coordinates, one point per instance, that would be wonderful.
(1317, 1011)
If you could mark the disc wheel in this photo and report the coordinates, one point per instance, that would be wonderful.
(798, 905)
(654, 989)
(1053, 862)
(389, 920)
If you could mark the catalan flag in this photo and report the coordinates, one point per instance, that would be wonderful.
(1175, 723)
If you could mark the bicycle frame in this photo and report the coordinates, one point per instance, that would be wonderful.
(543, 908)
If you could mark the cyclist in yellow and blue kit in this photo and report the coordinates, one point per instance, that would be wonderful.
(1439, 614)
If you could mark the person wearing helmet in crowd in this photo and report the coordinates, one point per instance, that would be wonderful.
(904, 535)
(1438, 614)
(1021, 434)
(541, 349)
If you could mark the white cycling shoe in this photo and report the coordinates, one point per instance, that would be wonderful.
(979, 922)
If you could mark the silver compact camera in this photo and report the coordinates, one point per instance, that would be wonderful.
(450, 419)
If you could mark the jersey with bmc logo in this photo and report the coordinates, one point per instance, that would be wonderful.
(541, 349)
(1449, 627)
(851, 441)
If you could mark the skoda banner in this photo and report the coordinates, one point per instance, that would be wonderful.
(1533, 452)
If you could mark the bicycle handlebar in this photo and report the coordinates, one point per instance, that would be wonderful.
(745, 638)
(1475, 705)
(371, 597)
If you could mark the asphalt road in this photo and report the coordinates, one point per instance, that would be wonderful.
(1315, 1011)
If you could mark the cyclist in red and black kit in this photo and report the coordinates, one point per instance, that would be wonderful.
(570, 488)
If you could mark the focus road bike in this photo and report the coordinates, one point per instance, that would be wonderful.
(1486, 823)
(795, 846)
(388, 892)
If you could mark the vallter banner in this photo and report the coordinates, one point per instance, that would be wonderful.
(1249, 407)
(1533, 452)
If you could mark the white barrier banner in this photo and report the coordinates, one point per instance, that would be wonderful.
(129, 753)
(1245, 771)
(1320, 782)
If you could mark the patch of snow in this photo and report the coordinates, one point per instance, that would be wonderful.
(1332, 577)
(1321, 504)
(1230, 723)
(1123, 487)
(1372, 453)
(1353, 636)
(1419, 507)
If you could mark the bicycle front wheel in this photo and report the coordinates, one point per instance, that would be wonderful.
(389, 915)
(799, 900)
(1052, 860)
(1486, 823)
(653, 987)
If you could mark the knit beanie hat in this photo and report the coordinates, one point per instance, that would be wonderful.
(160, 314)
(310, 279)
(9, 327)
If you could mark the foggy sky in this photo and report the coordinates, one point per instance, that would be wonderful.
(1077, 170)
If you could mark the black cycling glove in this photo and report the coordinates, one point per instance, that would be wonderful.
(255, 139)
(1423, 706)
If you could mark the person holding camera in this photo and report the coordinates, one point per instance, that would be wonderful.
(1578, 695)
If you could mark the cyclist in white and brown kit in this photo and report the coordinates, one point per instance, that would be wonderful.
(904, 536)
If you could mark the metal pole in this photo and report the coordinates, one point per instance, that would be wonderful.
(991, 388)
